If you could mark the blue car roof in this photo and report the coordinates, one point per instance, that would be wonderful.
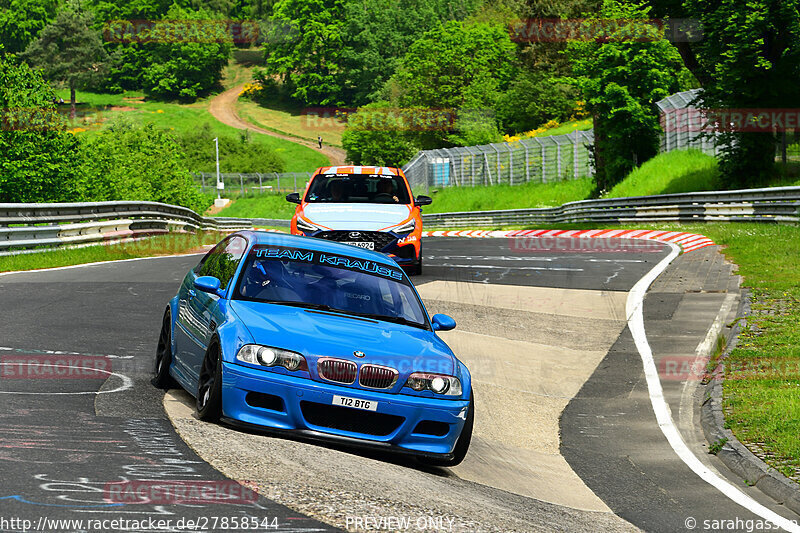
(320, 245)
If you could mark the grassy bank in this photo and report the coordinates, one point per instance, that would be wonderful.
(289, 119)
(266, 206)
(450, 199)
(171, 244)
(95, 110)
(671, 172)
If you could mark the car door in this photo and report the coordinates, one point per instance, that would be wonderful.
(198, 308)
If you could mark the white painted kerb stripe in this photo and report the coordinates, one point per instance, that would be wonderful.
(633, 310)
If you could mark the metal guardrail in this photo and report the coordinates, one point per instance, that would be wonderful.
(776, 204)
(24, 226)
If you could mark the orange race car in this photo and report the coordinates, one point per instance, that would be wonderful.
(368, 207)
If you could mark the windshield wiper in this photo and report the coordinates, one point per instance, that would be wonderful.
(388, 318)
(304, 305)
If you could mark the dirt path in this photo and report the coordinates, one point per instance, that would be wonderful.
(223, 107)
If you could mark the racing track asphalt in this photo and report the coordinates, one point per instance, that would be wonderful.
(58, 452)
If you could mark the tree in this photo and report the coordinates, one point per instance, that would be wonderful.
(310, 55)
(379, 32)
(533, 98)
(38, 159)
(22, 20)
(621, 78)
(189, 65)
(128, 161)
(456, 65)
(749, 57)
(69, 50)
(375, 135)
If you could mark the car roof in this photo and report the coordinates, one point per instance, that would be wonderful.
(358, 169)
(320, 245)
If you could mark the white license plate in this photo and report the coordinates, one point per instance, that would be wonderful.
(355, 403)
(368, 245)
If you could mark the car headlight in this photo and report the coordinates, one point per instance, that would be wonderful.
(406, 227)
(256, 354)
(305, 225)
(438, 383)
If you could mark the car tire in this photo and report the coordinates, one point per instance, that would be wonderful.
(209, 386)
(416, 268)
(162, 378)
(462, 444)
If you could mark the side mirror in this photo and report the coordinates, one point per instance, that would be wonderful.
(293, 197)
(207, 284)
(423, 200)
(443, 322)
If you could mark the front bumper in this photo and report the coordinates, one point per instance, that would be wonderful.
(403, 248)
(402, 423)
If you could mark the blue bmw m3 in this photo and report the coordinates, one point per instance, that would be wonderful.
(319, 340)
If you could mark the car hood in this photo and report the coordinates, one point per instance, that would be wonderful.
(317, 334)
(365, 217)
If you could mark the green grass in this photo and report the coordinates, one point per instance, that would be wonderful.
(265, 206)
(762, 378)
(174, 243)
(568, 127)
(670, 172)
(450, 199)
(96, 109)
(287, 118)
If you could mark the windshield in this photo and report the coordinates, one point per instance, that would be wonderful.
(358, 188)
(330, 282)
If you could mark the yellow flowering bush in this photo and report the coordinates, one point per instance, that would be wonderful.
(251, 89)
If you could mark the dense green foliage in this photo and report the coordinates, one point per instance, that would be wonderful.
(749, 57)
(377, 135)
(130, 162)
(69, 50)
(180, 56)
(22, 20)
(309, 54)
(622, 79)
(41, 162)
(236, 153)
(38, 158)
(443, 94)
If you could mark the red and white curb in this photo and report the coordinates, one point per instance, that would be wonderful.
(688, 242)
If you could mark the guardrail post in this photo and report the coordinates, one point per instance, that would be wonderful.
(497, 162)
(241, 183)
(203, 182)
(575, 156)
(510, 164)
(278, 178)
(558, 160)
(260, 184)
(527, 163)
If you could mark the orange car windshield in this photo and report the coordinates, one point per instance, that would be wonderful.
(358, 188)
